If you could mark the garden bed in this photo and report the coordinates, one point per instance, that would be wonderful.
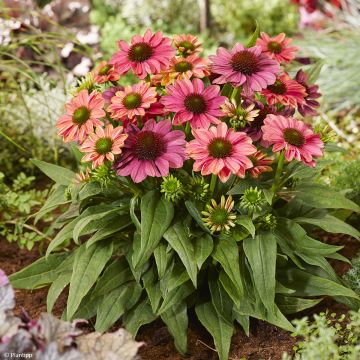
(265, 341)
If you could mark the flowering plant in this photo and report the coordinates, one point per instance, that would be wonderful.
(197, 192)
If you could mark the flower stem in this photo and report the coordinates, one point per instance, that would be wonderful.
(278, 173)
(187, 130)
(213, 183)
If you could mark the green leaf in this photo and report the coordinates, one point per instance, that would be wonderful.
(291, 305)
(203, 248)
(138, 316)
(229, 287)
(59, 174)
(243, 320)
(194, 212)
(176, 319)
(56, 198)
(133, 204)
(88, 265)
(56, 289)
(219, 328)
(240, 187)
(162, 258)
(178, 237)
(306, 284)
(331, 224)
(114, 305)
(252, 41)
(247, 223)
(261, 254)
(227, 254)
(112, 226)
(315, 70)
(221, 300)
(156, 216)
(38, 274)
(76, 152)
(63, 235)
(116, 274)
(152, 287)
(175, 296)
(322, 197)
(227, 90)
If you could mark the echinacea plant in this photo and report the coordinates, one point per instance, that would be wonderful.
(196, 191)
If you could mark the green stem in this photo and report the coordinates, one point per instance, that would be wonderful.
(213, 183)
(278, 173)
(187, 130)
(235, 92)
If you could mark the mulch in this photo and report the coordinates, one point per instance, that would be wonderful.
(265, 341)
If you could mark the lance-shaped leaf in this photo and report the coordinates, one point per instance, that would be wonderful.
(59, 174)
(178, 238)
(156, 216)
(88, 265)
(203, 248)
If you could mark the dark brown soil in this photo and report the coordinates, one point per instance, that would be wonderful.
(265, 342)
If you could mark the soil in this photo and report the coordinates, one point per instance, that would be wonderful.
(265, 342)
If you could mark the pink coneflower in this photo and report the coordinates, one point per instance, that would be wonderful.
(277, 47)
(148, 54)
(261, 164)
(192, 102)
(294, 137)
(246, 67)
(3, 278)
(132, 101)
(106, 72)
(187, 44)
(308, 107)
(285, 91)
(254, 127)
(151, 151)
(184, 68)
(220, 151)
(82, 114)
(103, 145)
(110, 92)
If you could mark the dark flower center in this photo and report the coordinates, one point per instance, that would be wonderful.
(183, 66)
(195, 103)
(244, 62)
(294, 137)
(220, 148)
(278, 88)
(140, 52)
(148, 145)
(105, 69)
(187, 45)
(274, 47)
(132, 101)
(81, 115)
(103, 146)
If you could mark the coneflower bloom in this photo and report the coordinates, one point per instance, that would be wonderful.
(239, 114)
(192, 102)
(106, 72)
(218, 217)
(220, 151)
(132, 101)
(261, 164)
(103, 144)
(151, 151)
(277, 47)
(285, 91)
(148, 54)
(246, 67)
(184, 68)
(308, 107)
(187, 44)
(294, 137)
(254, 127)
(82, 113)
